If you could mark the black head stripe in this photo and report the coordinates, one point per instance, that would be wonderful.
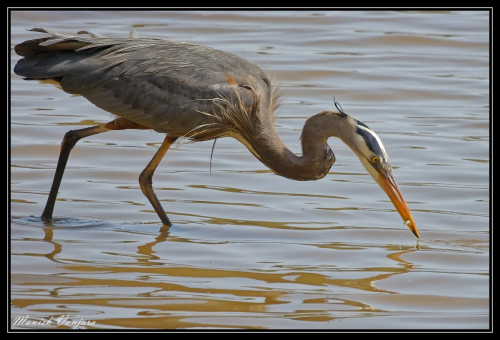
(370, 141)
(362, 124)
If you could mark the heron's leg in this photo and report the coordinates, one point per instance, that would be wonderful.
(146, 178)
(69, 141)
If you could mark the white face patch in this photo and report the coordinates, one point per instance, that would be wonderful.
(367, 152)
(369, 167)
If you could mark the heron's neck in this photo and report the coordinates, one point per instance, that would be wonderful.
(316, 159)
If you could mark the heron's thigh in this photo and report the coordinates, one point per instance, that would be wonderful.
(123, 124)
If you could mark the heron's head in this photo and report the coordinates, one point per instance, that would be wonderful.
(367, 145)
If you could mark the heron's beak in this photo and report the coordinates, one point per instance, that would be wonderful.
(391, 188)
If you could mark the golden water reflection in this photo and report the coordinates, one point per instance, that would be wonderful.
(163, 291)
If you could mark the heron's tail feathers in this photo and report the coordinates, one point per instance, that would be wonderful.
(45, 57)
(56, 42)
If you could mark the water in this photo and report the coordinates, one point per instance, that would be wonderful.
(250, 249)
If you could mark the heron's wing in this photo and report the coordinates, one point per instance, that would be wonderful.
(166, 85)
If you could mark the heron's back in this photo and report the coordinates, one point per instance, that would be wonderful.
(165, 85)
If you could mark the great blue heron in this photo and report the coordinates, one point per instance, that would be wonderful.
(194, 91)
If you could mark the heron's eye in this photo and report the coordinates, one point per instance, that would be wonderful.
(375, 159)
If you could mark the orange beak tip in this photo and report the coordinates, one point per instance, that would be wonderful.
(413, 228)
(391, 188)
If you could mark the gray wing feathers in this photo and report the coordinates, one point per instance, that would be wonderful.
(162, 84)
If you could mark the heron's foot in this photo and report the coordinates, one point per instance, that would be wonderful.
(165, 228)
(46, 219)
(164, 218)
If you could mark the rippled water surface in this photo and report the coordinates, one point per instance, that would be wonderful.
(250, 249)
